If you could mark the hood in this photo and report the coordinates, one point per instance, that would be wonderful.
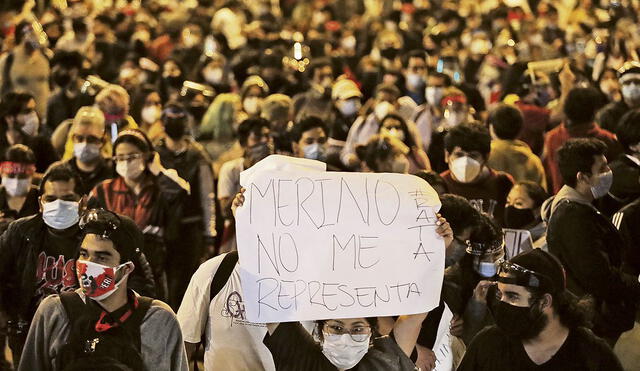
(566, 193)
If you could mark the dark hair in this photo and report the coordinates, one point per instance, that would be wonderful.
(433, 178)
(416, 53)
(136, 137)
(61, 172)
(13, 103)
(119, 229)
(506, 121)
(372, 321)
(459, 212)
(408, 138)
(628, 129)
(440, 75)
(138, 99)
(248, 126)
(20, 153)
(78, 25)
(307, 123)
(389, 89)
(470, 137)
(377, 148)
(20, 31)
(577, 156)
(581, 105)
(67, 59)
(535, 191)
(486, 231)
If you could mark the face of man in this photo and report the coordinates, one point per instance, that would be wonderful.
(59, 190)
(465, 166)
(312, 144)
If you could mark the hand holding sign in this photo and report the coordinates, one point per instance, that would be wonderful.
(317, 245)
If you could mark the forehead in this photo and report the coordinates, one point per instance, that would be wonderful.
(600, 162)
(510, 288)
(459, 151)
(314, 132)
(59, 187)
(127, 148)
(416, 61)
(349, 322)
(87, 129)
(95, 243)
(519, 192)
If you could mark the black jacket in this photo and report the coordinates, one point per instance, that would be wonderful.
(625, 187)
(90, 180)
(590, 249)
(19, 249)
(610, 115)
(627, 221)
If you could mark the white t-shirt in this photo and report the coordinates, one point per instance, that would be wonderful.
(232, 343)
(229, 178)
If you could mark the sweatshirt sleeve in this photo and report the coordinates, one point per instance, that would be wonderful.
(162, 345)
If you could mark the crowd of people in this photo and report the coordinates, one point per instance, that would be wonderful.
(125, 125)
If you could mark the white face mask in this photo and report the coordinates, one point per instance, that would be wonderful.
(631, 93)
(251, 105)
(383, 109)
(130, 170)
(16, 186)
(454, 118)
(86, 152)
(342, 351)
(349, 107)
(433, 95)
(213, 75)
(60, 214)
(465, 169)
(487, 269)
(415, 81)
(603, 184)
(314, 151)
(150, 114)
(30, 124)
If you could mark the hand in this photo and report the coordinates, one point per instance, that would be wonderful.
(456, 326)
(155, 167)
(566, 77)
(444, 230)
(237, 201)
(426, 358)
(480, 292)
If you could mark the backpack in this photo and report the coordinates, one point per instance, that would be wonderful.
(117, 348)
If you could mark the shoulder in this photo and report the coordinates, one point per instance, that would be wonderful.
(51, 310)
(592, 345)
(489, 337)
(205, 272)
(231, 165)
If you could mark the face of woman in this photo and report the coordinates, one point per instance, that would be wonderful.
(396, 163)
(130, 162)
(519, 198)
(346, 341)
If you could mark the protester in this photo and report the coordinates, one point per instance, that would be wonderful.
(147, 109)
(538, 322)
(509, 154)
(105, 325)
(629, 79)
(309, 139)
(395, 126)
(523, 210)
(34, 246)
(591, 249)
(384, 154)
(147, 193)
(347, 102)
(198, 224)
(18, 197)
(467, 149)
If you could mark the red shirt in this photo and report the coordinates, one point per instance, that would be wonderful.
(488, 195)
(535, 122)
(560, 135)
(117, 197)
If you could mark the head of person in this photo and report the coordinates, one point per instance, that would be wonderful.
(147, 105)
(505, 122)
(309, 138)
(454, 107)
(389, 43)
(415, 70)
(88, 134)
(26, 36)
(437, 82)
(132, 152)
(609, 84)
(384, 154)
(173, 74)
(61, 200)
(321, 73)
(17, 169)
(254, 135)
(252, 93)
(175, 119)
(80, 29)
(386, 100)
(113, 101)
(531, 290)
(434, 179)
(581, 105)
(223, 116)
(347, 97)
(584, 167)
(485, 247)
(18, 112)
(628, 132)
(395, 126)
(346, 341)
(629, 78)
(213, 70)
(524, 202)
(467, 148)
(65, 68)
(275, 109)
(462, 218)
(108, 244)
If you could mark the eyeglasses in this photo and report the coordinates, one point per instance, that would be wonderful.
(91, 139)
(358, 333)
(127, 158)
(518, 275)
(102, 221)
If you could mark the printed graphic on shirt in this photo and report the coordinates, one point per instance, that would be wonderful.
(234, 307)
(55, 275)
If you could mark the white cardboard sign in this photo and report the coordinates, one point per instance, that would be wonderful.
(317, 245)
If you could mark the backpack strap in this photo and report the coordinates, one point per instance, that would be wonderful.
(73, 305)
(6, 74)
(223, 273)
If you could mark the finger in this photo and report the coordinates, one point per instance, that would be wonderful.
(242, 189)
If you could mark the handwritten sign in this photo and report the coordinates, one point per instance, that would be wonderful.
(317, 245)
(442, 346)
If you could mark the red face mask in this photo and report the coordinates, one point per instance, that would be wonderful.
(98, 281)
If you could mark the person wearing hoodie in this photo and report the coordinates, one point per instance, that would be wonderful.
(509, 154)
(252, 94)
(587, 243)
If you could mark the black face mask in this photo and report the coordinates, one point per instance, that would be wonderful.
(519, 322)
(62, 78)
(197, 111)
(517, 218)
(389, 53)
(175, 128)
(174, 81)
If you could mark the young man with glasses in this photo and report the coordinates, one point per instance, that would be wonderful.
(104, 324)
(538, 323)
(88, 136)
